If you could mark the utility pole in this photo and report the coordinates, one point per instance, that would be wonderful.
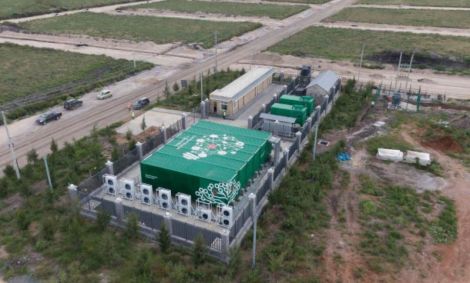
(399, 69)
(12, 147)
(252, 198)
(215, 46)
(201, 77)
(409, 69)
(315, 140)
(48, 173)
(360, 63)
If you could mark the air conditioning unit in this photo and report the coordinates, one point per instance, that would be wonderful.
(111, 184)
(183, 202)
(128, 188)
(226, 216)
(146, 194)
(164, 198)
(205, 214)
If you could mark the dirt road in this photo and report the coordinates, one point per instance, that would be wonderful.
(398, 28)
(457, 87)
(74, 126)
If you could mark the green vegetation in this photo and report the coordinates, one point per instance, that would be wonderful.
(437, 3)
(188, 98)
(227, 8)
(348, 107)
(140, 28)
(27, 73)
(24, 8)
(443, 53)
(397, 219)
(431, 18)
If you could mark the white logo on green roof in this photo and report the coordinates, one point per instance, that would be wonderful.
(220, 193)
(214, 145)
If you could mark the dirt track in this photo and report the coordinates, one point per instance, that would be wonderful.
(398, 28)
(78, 124)
(457, 87)
(405, 7)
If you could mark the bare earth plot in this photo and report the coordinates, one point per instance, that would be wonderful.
(140, 28)
(24, 8)
(226, 8)
(437, 3)
(303, 1)
(444, 53)
(27, 72)
(431, 18)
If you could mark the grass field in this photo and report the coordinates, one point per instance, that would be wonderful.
(432, 18)
(232, 9)
(140, 28)
(437, 3)
(24, 8)
(29, 72)
(443, 53)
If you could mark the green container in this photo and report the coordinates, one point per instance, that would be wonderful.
(306, 101)
(295, 111)
(207, 153)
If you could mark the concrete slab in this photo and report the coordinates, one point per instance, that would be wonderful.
(156, 117)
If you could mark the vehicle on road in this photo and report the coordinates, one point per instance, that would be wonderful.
(48, 116)
(141, 103)
(72, 103)
(105, 93)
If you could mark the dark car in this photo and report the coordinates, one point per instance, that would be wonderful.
(141, 103)
(73, 103)
(48, 116)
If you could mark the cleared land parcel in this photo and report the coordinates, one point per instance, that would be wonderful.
(226, 8)
(33, 72)
(24, 8)
(303, 1)
(431, 18)
(446, 53)
(140, 28)
(437, 3)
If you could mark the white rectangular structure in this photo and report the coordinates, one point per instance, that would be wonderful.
(423, 158)
(239, 93)
(390, 154)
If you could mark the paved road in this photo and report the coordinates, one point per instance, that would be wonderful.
(76, 126)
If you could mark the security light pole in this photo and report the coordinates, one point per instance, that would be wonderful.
(12, 147)
(47, 172)
(201, 77)
(360, 63)
(315, 140)
(215, 46)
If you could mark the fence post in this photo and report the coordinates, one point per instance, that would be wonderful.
(286, 158)
(203, 109)
(271, 178)
(168, 223)
(318, 113)
(109, 164)
(73, 193)
(183, 121)
(119, 209)
(309, 124)
(298, 139)
(163, 130)
(328, 105)
(138, 145)
(225, 243)
(252, 198)
(275, 98)
(250, 122)
(276, 142)
(263, 108)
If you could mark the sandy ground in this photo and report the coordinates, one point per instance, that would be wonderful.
(411, 7)
(155, 117)
(398, 28)
(457, 87)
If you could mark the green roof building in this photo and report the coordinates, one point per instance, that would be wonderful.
(205, 155)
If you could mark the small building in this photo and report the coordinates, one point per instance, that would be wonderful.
(390, 154)
(239, 93)
(422, 158)
(326, 83)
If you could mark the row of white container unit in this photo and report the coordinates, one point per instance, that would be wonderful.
(422, 158)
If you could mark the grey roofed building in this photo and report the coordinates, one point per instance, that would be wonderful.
(326, 83)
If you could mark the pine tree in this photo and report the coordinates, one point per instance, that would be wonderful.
(132, 228)
(176, 87)
(54, 146)
(143, 125)
(32, 156)
(199, 251)
(164, 239)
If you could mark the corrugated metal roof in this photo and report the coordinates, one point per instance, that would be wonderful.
(326, 80)
(209, 150)
(242, 85)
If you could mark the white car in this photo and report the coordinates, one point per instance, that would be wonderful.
(105, 93)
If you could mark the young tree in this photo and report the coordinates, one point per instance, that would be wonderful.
(166, 92)
(32, 156)
(199, 250)
(143, 125)
(132, 228)
(9, 171)
(102, 219)
(164, 239)
(54, 146)
(115, 153)
(176, 87)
